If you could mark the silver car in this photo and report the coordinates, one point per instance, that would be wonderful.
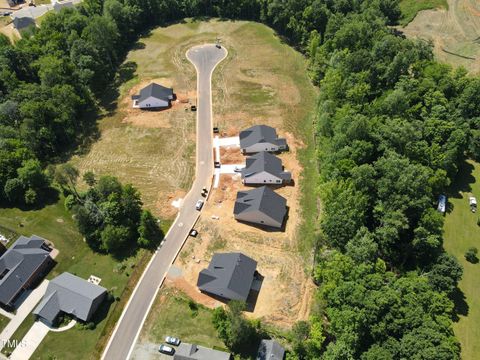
(164, 349)
(199, 205)
(172, 340)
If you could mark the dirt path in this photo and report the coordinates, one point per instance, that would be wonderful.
(455, 32)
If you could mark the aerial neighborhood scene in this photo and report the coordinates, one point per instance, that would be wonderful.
(239, 180)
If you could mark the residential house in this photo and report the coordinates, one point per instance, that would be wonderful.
(265, 168)
(261, 138)
(229, 275)
(260, 206)
(153, 96)
(72, 295)
(24, 264)
(21, 23)
(270, 350)
(194, 352)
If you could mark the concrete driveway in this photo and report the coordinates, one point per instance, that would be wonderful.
(22, 312)
(205, 58)
(30, 341)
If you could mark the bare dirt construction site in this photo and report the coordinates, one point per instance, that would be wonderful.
(455, 32)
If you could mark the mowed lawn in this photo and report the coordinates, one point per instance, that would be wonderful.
(55, 224)
(410, 8)
(3, 322)
(176, 315)
(462, 232)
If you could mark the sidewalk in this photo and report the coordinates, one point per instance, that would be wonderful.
(22, 312)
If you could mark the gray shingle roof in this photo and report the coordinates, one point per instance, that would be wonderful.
(270, 350)
(261, 199)
(264, 161)
(194, 352)
(72, 295)
(19, 263)
(258, 134)
(63, 4)
(229, 275)
(155, 90)
(23, 22)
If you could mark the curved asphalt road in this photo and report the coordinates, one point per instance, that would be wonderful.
(205, 58)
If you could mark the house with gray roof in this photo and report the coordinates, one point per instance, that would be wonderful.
(72, 295)
(270, 350)
(261, 138)
(59, 5)
(21, 23)
(229, 275)
(194, 352)
(22, 266)
(264, 168)
(153, 96)
(260, 206)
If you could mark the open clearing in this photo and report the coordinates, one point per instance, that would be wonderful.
(410, 8)
(262, 81)
(462, 232)
(455, 32)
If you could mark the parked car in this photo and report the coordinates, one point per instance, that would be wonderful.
(193, 233)
(216, 130)
(237, 169)
(199, 205)
(218, 46)
(217, 164)
(164, 349)
(442, 204)
(173, 340)
(193, 108)
(473, 203)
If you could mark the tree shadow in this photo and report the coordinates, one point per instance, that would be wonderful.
(125, 72)
(463, 181)
(48, 196)
(460, 305)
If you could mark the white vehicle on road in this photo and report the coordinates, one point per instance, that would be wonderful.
(199, 205)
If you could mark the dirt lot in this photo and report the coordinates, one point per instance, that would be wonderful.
(286, 290)
(455, 32)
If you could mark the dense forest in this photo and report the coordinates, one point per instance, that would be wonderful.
(393, 126)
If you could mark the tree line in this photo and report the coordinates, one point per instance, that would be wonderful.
(392, 128)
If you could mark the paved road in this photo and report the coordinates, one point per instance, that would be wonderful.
(125, 335)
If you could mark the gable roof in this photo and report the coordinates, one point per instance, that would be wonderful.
(270, 350)
(155, 90)
(59, 5)
(259, 134)
(261, 199)
(23, 22)
(19, 263)
(229, 275)
(264, 161)
(194, 352)
(70, 294)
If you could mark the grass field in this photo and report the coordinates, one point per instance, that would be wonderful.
(19, 333)
(3, 322)
(176, 318)
(410, 8)
(462, 232)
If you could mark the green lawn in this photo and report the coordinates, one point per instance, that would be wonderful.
(20, 333)
(174, 317)
(462, 232)
(410, 8)
(3, 322)
(55, 224)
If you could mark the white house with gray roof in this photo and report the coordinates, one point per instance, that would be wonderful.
(194, 352)
(260, 206)
(270, 350)
(261, 138)
(265, 168)
(229, 275)
(153, 96)
(72, 295)
(23, 265)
